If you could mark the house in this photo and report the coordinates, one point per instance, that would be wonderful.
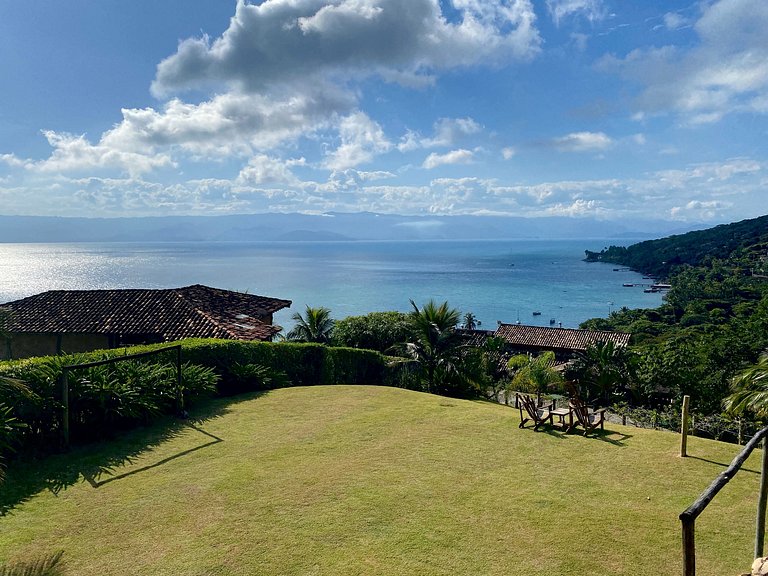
(80, 320)
(564, 342)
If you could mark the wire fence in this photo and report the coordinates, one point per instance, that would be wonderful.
(715, 426)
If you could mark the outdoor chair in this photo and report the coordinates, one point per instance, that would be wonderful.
(587, 418)
(529, 412)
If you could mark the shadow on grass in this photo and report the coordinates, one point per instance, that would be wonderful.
(608, 436)
(611, 437)
(723, 464)
(27, 477)
(93, 481)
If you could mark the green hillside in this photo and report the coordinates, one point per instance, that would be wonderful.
(661, 256)
(372, 480)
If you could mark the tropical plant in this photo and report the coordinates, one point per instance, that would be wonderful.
(750, 389)
(260, 377)
(375, 331)
(470, 321)
(315, 326)
(601, 369)
(49, 565)
(436, 346)
(535, 373)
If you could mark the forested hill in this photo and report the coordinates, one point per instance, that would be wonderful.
(660, 256)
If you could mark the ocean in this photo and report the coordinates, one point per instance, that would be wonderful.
(503, 280)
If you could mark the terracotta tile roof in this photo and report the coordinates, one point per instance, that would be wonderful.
(474, 338)
(191, 312)
(557, 338)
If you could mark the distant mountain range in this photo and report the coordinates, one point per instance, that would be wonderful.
(329, 227)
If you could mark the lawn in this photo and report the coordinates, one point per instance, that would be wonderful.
(372, 480)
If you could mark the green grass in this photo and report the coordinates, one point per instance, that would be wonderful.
(371, 480)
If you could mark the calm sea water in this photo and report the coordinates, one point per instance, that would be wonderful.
(495, 280)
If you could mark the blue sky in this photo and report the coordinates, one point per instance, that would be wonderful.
(604, 108)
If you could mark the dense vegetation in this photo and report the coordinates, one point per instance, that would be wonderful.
(661, 257)
(108, 399)
(713, 322)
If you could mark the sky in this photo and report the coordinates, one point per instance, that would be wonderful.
(652, 109)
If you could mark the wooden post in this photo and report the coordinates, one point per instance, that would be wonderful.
(65, 408)
(684, 427)
(689, 547)
(179, 391)
(761, 502)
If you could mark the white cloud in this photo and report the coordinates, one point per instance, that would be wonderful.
(228, 124)
(295, 42)
(76, 154)
(674, 21)
(508, 152)
(263, 169)
(460, 156)
(725, 72)
(699, 210)
(447, 132)
(582, 142)
(590, 9)
(361, 140)
(579, 207)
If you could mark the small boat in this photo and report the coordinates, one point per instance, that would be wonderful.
(628, 285)
(552, 321)
(650, 290)
(537, 313)
(616, 269)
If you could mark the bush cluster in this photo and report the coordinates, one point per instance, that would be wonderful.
(106, 399)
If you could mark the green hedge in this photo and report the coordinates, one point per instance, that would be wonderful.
(104, 400)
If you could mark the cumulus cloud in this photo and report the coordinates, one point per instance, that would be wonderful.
(699, 210)
(361, 140)
(460, 156)
(73, 153)
(447, 131)
(231, 123)
(725, 72)
(674, 21)
(508, 152)
(590, 9)
(263, 169)
(582, 142)
(294, 42)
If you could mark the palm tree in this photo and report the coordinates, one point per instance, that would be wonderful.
(470, 321)
(750, 389)
(534, 374)
(315, 326)
(436, 345)
(602, 368)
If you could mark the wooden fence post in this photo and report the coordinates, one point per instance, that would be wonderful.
(65, 408)
(761, 502)
(689, 547)
(179, 390)
(684, 427)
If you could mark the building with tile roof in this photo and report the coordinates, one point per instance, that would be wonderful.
(79, 320)
(562, 341)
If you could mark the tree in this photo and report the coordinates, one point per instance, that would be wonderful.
(470, 321)
(534, 373)
(315, 326)
(750, 389)
(375, 331)
(601, 369)
(436, 345)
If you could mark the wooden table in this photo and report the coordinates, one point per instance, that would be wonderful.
(561, 413)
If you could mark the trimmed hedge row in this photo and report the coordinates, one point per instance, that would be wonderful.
(105, 400)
